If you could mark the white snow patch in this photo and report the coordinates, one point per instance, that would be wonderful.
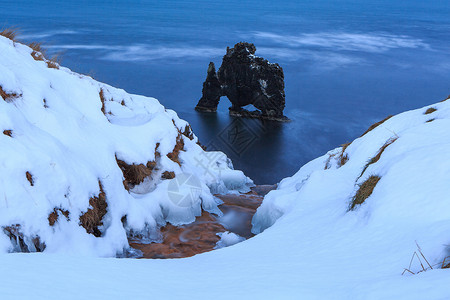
(228, 239)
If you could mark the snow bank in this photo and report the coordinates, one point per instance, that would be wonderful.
(228, 239)
(392, 186)
(64, 136)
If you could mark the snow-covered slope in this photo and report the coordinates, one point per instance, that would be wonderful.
(82, 163)
(316, 248)
(344, 227)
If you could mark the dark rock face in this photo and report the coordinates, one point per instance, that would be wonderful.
(245, 79)
(211, 92)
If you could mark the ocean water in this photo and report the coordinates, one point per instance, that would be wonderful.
(347, 63)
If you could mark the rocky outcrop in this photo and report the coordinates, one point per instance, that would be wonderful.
(245, 79)
(211, 92)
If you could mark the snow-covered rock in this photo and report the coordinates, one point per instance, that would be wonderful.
(83, 164)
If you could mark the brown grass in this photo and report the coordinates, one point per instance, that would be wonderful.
(30, 178)
(16, 236)
(179, 146)
(102, 98)
(378, 156)
(430, 110)
(38, 52)
(8, 97)
(135, 174)
(430, 120)
(201, 146)
(343, 157)
(168, 175)
(446, 263)
(54, 62)
(364, 191)
(93, 218)
(448, 97)
(8, 132)
(188, 132)
(375, 125)
(45, 103)
(53, 217)
(10, 33)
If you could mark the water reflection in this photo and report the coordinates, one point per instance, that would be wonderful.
(252, 144)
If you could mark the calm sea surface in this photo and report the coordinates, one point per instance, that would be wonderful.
(347, 63)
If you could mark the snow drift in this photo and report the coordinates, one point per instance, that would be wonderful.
(388, 189)
(84, 164)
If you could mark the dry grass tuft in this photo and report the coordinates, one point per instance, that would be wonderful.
(375, 125)
(430, 110)
(424, 263)
(135, 174)
(45, 103)
(30, 178)
(201, 146)
(38, 52)
(448, 97)
(17, 237)
(188, 132)
(168, 175)
(54, 62)
(179, 146)
(8, 132)
(430, 120)
(53, 217)
(364, 191)
(8, 97)
(102, 98)
(343, 157)
(378, 156)
(10, 33)
(92, 219)
(446, 263)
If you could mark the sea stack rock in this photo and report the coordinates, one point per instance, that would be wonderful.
(245, 79)
(211, 92)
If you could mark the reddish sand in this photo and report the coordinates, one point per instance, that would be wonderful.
(201, 235)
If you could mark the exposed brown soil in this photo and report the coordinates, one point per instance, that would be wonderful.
(8, 132)
(93, 218)
(201, 235)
